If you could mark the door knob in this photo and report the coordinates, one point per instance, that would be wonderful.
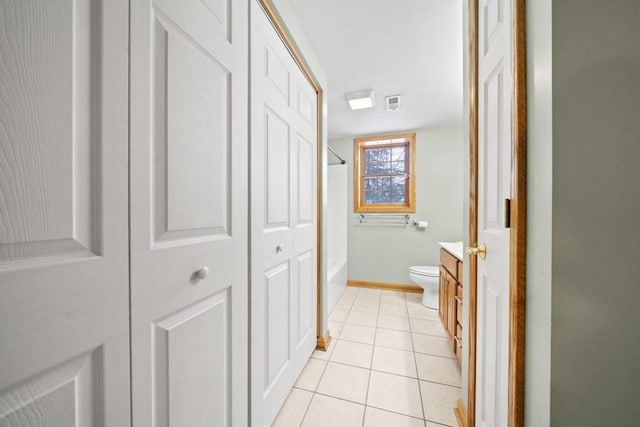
(202, 273)
(480, 250)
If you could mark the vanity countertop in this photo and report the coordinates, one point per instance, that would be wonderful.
(454, 248)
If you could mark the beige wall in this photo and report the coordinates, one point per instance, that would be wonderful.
(385, 253)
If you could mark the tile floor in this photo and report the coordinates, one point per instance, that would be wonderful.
(389, 364)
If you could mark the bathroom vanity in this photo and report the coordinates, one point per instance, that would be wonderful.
(450, 297)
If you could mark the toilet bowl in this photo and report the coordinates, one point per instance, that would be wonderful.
(427, 277)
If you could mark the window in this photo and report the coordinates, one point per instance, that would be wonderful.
(384, 177)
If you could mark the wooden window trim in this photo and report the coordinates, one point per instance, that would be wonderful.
(358, 176)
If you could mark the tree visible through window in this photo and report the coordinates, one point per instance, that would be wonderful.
(383, 174)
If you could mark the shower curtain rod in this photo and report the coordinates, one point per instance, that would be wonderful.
(342, 161)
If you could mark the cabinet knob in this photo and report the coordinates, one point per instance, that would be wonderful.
(202, 273)
(279, 248)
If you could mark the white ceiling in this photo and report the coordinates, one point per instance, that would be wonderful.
(407, 47)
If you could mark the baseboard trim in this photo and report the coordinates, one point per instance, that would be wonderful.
(322, 343)
(461, 413)
(386, 286)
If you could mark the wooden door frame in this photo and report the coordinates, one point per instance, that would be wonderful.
(517, 244)
(322, 337)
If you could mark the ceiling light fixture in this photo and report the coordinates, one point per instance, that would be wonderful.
(361, 99)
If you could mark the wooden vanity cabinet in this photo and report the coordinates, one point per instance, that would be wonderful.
(450, 301)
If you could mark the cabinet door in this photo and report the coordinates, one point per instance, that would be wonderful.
(442, 300)
(452, 288)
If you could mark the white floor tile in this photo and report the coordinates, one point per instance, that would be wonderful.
(362, 318)
(423, 313)
(358, 333)
(294, 408)
(394, 339)
(327, 411)
(338, 315)
(335, 328)
(413, 296)
(352, 353)
(345, 382)
(394, 361)
(438, 369)
(354, 372)
(373, 298)
(389, 321)
(415, 303)
(390, 292)
(429, 344)
(369, 306)
(394, 393)
(369, 291)
(439, 401)
(395, 309)
(349, 292)
(378, 418)
(344, 304)
(310, 375)
(393, 298)
(430, 327)
(324, 355)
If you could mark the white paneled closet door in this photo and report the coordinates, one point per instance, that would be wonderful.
(189, 246)
(494, 186)
(283, 220)
(64, 279)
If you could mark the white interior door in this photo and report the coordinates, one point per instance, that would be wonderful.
(64, 279)
(494, 172)
(189, 271)
(283, 220)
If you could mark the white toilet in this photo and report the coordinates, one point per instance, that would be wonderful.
(428, 277)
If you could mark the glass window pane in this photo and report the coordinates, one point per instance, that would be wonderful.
(384, 196)
(398, 186)
(384, 168)
(384, 154)
(370, 155)
(397, 167)
(370, 184)
(397, 154)
(370, 197)
(384, 183)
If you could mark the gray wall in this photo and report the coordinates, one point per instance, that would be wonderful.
(595, 338)
(385, 253)
(539, 193)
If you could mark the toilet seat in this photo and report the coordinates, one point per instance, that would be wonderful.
(422, 270)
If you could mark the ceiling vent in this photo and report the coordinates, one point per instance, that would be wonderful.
(393, 102)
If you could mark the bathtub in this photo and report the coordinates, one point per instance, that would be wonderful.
(336, 281)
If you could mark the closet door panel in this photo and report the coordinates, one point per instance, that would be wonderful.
(189, 249)
(63, 213)
(283, 220)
